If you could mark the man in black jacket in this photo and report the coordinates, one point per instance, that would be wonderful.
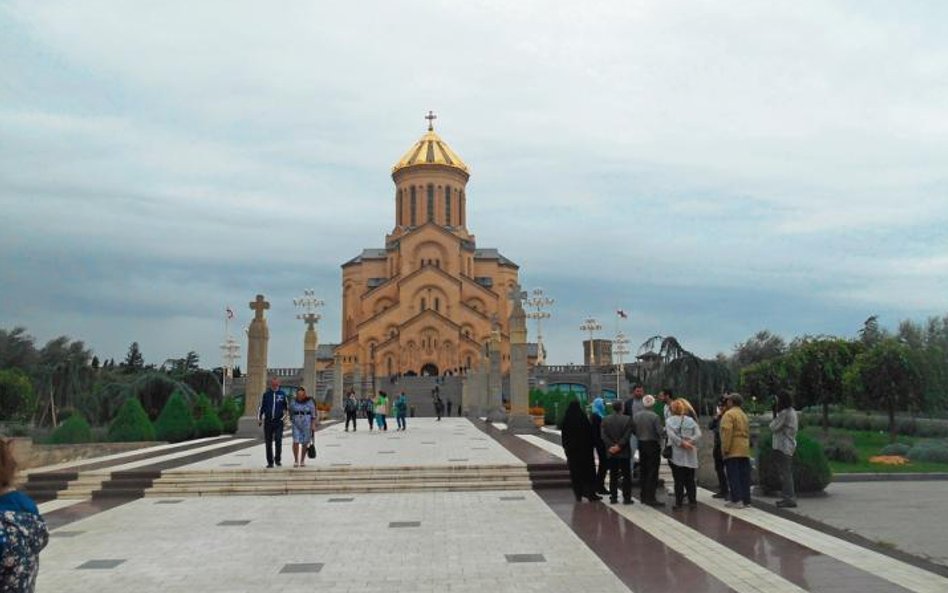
(618, 435)
(270, 416)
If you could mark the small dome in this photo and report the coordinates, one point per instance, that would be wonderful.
(430, 150)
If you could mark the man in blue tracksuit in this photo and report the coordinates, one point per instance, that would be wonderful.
(270, 416)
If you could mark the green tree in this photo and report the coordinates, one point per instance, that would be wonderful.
(765, 379)
(73, 430)
(175, 423)
(821, 365)
(206, 421)
(693, 377)
(760, 347)
(17, 400)
(229, 413)
(134, 361)
(131, 424)
(886, 376)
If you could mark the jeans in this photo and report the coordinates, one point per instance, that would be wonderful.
(351, 416)
(684, 484)
(650, 458)
(739, 478)
(380, 422)
(784, 464)
(370, 416)
(620, 466)
(273, 438)
(400, 420)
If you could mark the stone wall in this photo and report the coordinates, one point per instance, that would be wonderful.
(31, 455)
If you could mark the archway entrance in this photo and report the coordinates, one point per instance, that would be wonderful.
(429, 370)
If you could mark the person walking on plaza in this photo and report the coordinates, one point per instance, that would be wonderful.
(303, 421)
(351, 407)
(381, 411)
(270, 415)
(438, 405)
(450, 404)
(682, 432)
(368, 408)
(23, 531)
(595, 420)
(735, 447)
(648, 430)
(784, 427)
(715, 426)
(401, 410)
(618, 436)
(578, 446)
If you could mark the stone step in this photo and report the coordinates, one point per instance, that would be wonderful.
(165, 491)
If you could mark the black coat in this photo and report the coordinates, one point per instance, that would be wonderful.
(578, 443)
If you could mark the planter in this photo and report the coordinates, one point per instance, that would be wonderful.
(539, 421)
(321, 415)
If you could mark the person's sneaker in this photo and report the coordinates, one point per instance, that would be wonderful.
(719, 495)
(692, 503)
(786, 504)
(278, 464)
(614, 500)
(677, 507)
(602, 491)
(270, 466)
(744, 505)
(628, 501)
(732, 505)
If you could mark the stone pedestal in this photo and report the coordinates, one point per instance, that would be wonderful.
(495, 383)
(258, 337)
(337, 387)
(520, 419)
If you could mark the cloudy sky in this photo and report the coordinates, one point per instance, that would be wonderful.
(712, 168)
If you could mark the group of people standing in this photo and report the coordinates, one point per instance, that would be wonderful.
(633, 426)
(375, 410)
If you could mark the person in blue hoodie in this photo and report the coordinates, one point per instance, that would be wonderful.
(270, 416)
(23, 532)
(595, 419)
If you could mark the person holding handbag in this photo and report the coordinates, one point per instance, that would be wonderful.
(303, 419)
(683, 433)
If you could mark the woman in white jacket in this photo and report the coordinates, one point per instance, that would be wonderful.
(683, 433)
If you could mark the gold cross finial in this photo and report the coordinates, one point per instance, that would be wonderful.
(431, 117)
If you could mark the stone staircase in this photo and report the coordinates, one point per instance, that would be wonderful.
(338, 480)
(418, 390)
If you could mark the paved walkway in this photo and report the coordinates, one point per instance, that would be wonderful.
(520, 540)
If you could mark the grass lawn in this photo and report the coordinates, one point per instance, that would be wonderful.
(868, 444)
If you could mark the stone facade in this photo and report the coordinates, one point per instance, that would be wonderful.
(426, 303)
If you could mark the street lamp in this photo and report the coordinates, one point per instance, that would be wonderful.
(620, 347)
(539, 302)
(308, 303)
(230, 351)
(591, 325)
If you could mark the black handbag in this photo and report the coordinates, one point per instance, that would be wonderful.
(667, 452)
(311, 450)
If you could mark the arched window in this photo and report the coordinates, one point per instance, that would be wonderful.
(431, 203)
(447, 205)
(463, 207)
(398, 209)
(414, 208)
(437, 304)
(424, 304)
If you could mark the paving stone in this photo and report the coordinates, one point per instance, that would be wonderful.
(66, 533)
(302, 568)
(341, 499)
(519, 558)
(170, 501)
(399, 524)
(100, 564)
(234, 523)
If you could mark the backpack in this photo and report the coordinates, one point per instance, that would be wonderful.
(350, 404)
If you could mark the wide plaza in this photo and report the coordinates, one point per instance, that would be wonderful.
(433, 538)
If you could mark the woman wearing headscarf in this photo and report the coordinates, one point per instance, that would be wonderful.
(595, 421)
(578, 444)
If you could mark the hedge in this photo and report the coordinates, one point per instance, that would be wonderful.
(896, 449)
(207, 423)
(131, 424)
(811, 470)
(936, 452)
(229, 413)
(920, 427)
(74, 430)
(175, 423)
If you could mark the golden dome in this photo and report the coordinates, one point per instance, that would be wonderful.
(430, 150)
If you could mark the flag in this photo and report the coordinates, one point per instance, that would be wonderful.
(622, 314)
(230, 313)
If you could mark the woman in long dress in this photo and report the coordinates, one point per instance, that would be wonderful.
(578, 444)
(303, 420)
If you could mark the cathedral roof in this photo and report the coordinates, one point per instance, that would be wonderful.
(430, 150)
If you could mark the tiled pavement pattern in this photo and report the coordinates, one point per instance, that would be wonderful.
(461, 544)
(448, 541)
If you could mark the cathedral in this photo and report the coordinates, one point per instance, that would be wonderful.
(429, 302)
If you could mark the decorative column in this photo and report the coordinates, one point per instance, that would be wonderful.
(258, 337)
(495, 382)
(337, 387)
(357, 378)
(519, 420)
(308, 304)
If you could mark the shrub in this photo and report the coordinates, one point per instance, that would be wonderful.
(175, 422)
(229, 414)
(839, 449)
(206, 421)
(936, 452)
(931, 428)
(857, 422)
(17, 400)
(811, 470)
(896, 449)
(878, 424)
(131, 424)
(905, 426)
(74, 430)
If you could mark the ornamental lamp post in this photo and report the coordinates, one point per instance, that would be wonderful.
(230, 352)
(620, 348)
(591, 325)
(308, 304)
(538, 302)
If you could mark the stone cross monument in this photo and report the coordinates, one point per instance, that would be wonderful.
(519, 419)
(337, 387)
(258, 337)
(495, 382)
